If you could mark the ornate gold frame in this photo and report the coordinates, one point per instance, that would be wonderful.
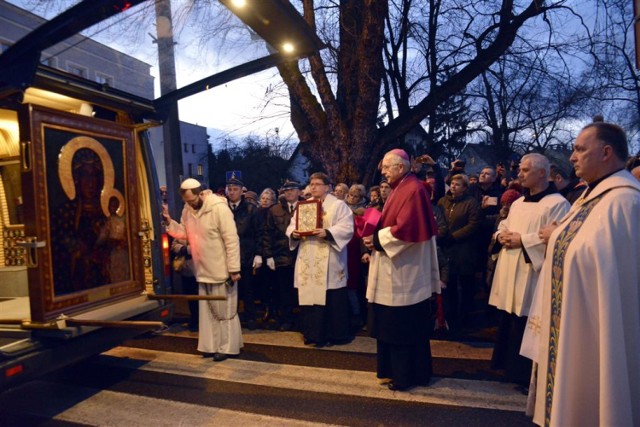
(36, 124)
(308, 216)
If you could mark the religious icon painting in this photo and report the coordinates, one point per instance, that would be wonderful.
(79, 179)
(308, 216)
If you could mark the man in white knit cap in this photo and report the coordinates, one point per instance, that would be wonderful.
(207, 224)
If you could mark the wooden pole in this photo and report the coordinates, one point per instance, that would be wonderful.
(11, 321)
(142, 324)
(188, 297)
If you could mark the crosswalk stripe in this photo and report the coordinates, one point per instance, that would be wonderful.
(445, 391)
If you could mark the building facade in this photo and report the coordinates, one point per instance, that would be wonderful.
(95, 61)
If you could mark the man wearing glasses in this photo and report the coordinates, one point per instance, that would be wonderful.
(207, 224)
(321, 268)
(403, 275)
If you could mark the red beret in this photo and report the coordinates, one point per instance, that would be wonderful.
(509, 197)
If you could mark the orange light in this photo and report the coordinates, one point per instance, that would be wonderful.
(165, 255)
(124, 5)
(13, 371)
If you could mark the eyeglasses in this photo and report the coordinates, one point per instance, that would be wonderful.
(385, 167)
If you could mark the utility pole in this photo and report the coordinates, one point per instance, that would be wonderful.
(171, 126)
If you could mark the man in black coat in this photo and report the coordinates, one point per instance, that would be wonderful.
(275, 244)
(487, 192)
(244, 214)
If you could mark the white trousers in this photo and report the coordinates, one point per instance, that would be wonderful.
(220, 330)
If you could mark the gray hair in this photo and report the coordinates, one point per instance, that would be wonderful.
(538, 161)
(342, 185)
(270, 192)
(406, 164)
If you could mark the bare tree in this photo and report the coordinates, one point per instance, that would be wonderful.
(342, 124)
(529, 99)
(613, 62)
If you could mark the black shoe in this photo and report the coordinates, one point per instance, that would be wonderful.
(219, 357)
(343, 341)
(251, 325)
(396, 387)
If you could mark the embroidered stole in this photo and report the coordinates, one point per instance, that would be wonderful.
(557, 276)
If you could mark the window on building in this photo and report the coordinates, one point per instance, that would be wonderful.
(104, 79)
(190, 169)
(193, 148)
(186, 148)
(77, 70)
(200, 170)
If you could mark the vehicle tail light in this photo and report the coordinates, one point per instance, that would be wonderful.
(13, 371)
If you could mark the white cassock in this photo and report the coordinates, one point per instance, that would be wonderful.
(321, 264)
(596, 279)
(514, 279)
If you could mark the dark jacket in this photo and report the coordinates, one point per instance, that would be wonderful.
(573, 190)
(275, 243)
(443, 260)
(491, 212)
(463, 219)
(247, 223)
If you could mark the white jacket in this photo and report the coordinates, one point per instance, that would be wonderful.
(213, 238)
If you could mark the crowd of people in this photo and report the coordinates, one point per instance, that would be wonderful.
(555, 252)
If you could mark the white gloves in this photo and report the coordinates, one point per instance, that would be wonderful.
(257, 261)
(271, 263)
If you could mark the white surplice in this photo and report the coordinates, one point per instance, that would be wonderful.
(405, 273)
(597, 370)
(514, 279)
(322, 264)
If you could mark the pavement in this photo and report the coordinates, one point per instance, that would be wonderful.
(161, 379)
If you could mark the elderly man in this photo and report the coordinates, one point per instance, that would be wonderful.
(520, 261)
(402, 276)
(584, 324)
(207, 224)
(321, 268)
